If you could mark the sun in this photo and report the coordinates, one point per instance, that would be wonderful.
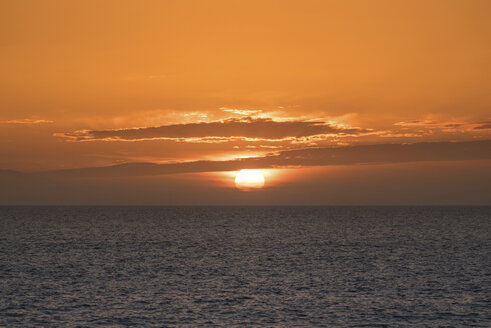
(249, 179)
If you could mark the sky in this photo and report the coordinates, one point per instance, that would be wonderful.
(163, 102)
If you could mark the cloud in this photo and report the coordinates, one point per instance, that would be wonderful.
(483, 126)
(451, 126)
(244, 112)
(27, 121)
(246, 128)
(350, 155)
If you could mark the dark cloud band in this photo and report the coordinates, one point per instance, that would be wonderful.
(245, 128)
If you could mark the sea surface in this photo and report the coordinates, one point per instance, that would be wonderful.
(245, 266)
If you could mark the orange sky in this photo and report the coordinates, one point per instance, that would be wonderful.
(100, 83)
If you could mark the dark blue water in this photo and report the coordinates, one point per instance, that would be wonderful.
(245, 266)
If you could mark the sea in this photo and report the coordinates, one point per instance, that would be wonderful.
(245, 266)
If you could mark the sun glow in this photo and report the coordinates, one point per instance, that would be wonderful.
(249, 179)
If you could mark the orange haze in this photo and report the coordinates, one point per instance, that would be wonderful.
(193, 85)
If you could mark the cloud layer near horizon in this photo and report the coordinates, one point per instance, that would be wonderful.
(365, 154)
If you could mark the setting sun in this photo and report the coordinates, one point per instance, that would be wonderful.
(249, 179)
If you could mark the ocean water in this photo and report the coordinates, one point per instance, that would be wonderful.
(245, 266)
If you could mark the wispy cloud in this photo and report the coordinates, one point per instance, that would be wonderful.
(483, 126)
(239, 111)
(27, 121)
(450, 126)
